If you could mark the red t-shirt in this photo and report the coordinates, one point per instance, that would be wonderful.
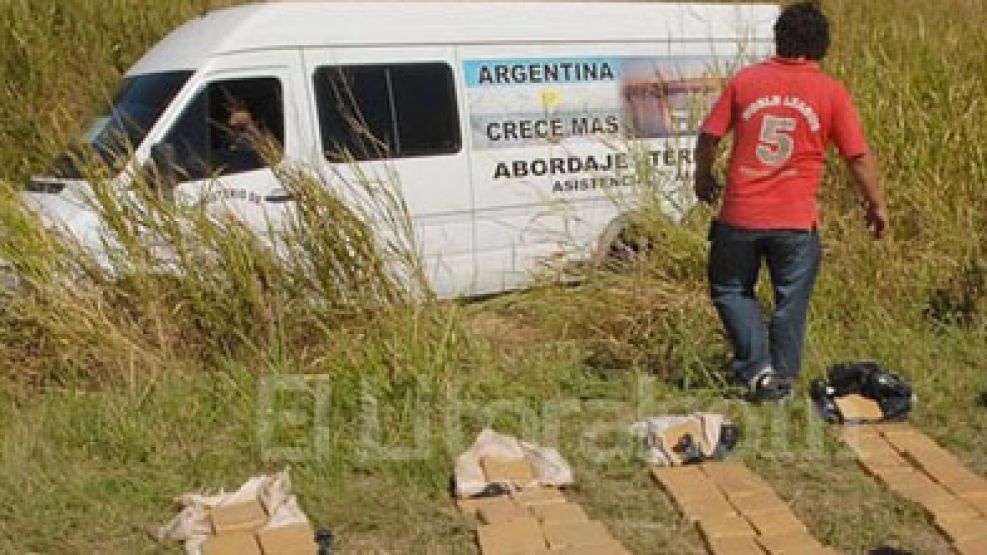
(783, 113)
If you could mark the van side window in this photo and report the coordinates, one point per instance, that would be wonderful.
(373, 112)
(231, 127)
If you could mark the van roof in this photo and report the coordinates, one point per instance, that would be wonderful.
(302, 24)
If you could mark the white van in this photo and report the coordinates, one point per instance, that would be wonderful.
(510, 128)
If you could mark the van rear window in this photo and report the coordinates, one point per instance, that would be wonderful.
(372, 112)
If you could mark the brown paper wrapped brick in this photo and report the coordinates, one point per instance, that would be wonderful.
(238, 517)
(859, 433)
(611, 548)
(978, 502)
(664, 474)
(901, 477)
(294, 539)
(911, 441)
(921, 492)
(779, 522)
(959, 529)
(233, 543)
(948, 506)
(960, 480)
(683, 492)
(687, 485)
(735, 546)
(885, 428)
(759, 502)
(501, 509)
(876, 465)
(801, 543)
(735, 479)
(705, 507)
(470, 505)
(725, 527)
(517, 536)
(971, 547)
(576, 534)
(934, 460)
(858, 408)
(539, 496)
(516, 471)
(559, 512)
(879, 451)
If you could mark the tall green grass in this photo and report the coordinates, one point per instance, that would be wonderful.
(911, 77)
(61, 59)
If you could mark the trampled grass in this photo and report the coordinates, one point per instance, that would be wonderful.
(116, 395)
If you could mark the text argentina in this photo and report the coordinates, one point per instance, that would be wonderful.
(552, 72)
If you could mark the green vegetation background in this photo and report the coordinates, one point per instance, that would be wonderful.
(117, 396)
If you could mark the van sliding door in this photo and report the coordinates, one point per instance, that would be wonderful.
(387, 120)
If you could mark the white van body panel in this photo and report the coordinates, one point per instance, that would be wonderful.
(331, 24)
(510, 199)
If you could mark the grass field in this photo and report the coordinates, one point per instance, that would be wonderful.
(116, 397)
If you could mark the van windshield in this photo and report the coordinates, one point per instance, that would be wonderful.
(136, 107)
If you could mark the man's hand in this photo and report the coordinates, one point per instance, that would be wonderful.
(877, 220)
(707, 189)
(863, 169)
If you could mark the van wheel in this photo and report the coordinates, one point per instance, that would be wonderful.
(628, 246)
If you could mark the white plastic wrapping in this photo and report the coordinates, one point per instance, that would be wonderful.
(549, 467)
(650, 431)
(191, 525)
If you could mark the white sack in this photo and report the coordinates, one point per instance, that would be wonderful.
(191, 525)
(650, 431)
(549, 467)
(287, 513)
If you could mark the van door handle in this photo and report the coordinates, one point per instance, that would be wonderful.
(279, 196)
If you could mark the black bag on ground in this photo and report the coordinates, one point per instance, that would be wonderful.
(868, 379)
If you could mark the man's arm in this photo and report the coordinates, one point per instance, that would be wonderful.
(706, 187)
(863, 170)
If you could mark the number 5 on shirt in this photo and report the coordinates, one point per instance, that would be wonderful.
(776, 144)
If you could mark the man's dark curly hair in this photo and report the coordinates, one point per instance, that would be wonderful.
(802, 30)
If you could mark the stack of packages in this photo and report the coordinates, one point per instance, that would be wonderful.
(736, 512)
(915, 467)
(868, 400)
(512, 488)
(261, 518)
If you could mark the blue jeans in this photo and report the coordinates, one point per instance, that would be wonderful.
(793, 258)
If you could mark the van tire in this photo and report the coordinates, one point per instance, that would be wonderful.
(618, 247)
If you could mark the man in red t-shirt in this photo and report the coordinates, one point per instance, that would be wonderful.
(783, 113)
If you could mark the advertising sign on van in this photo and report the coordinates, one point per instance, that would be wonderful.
(521, 102)
(584, 124)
